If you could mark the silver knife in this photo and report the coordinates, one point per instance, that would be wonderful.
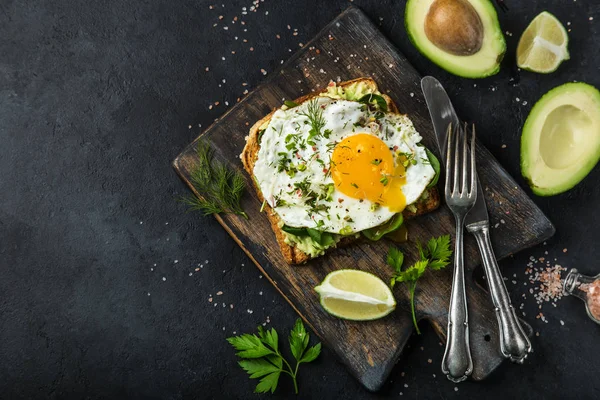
(514, 343)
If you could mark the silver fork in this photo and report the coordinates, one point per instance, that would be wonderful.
(457, 364)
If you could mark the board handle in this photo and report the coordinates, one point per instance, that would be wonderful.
(514, 343)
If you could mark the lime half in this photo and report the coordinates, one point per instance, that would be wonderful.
(355, 295)
(543, 45)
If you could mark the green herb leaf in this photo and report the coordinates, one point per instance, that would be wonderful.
(249, 346)
(269, 367)
(413, 273)
(290, 104)
(269, 337)
(268, 383)
(375, 99)
(220, 187)
(314, 113)
(439, 252)
(298, 339)
(311, 354)
(257, 368)
(395, 258)
(435, 256)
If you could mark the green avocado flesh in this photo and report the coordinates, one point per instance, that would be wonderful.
(560, 143)
(461, 36)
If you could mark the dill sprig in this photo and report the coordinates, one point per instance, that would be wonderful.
(314, 113)
(221, 187)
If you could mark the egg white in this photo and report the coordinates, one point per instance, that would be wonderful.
(340, 116)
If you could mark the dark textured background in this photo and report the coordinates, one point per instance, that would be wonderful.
(99, 296)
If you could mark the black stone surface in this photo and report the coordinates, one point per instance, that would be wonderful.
(99, 297)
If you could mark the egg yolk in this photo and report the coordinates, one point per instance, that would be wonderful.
(362, 167)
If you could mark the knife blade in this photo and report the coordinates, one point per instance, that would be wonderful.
(514, 343)
(442, 114)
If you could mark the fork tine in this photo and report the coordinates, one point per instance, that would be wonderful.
(449, 138)
(465, 189)
(456, 159)
(473, 166)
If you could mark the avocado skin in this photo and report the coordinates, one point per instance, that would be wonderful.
(527, 128)
(457, 71)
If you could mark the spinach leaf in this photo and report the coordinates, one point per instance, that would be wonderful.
(435, 163)
(379, 101)
(378, 232)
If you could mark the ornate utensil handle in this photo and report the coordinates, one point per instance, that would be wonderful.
(457, 364)
(514, 343)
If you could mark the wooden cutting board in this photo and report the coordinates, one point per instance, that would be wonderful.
(350, 47)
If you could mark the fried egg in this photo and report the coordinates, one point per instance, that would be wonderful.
(339, 167)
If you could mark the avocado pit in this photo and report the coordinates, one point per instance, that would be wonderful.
(455, 27)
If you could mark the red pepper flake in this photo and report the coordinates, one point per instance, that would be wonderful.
(395, 148)
(315, 149)
(340, 200)
(331, 84)
(325, 170)
(318, 51)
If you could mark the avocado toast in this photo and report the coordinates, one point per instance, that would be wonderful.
(321, 220)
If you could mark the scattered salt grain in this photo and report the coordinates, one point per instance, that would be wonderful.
(164, 279)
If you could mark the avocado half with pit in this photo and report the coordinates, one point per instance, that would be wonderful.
(461, 36)
(560, 143)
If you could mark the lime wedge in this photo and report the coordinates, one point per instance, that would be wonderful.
(543, 45)
(355, 295)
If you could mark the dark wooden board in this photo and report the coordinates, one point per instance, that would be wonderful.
(350, 47)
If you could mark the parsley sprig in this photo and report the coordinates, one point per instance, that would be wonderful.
(220, 186)
(436, 255)
(262, 357)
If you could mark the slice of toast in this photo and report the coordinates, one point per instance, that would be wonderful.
(249, 155)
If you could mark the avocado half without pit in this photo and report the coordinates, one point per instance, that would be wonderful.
(461, 36)
(560, 143)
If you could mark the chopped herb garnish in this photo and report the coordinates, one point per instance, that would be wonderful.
(314, 113)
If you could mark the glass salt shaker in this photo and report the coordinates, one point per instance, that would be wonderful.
(586, 288)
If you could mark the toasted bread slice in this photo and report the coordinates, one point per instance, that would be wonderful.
(293, 255)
